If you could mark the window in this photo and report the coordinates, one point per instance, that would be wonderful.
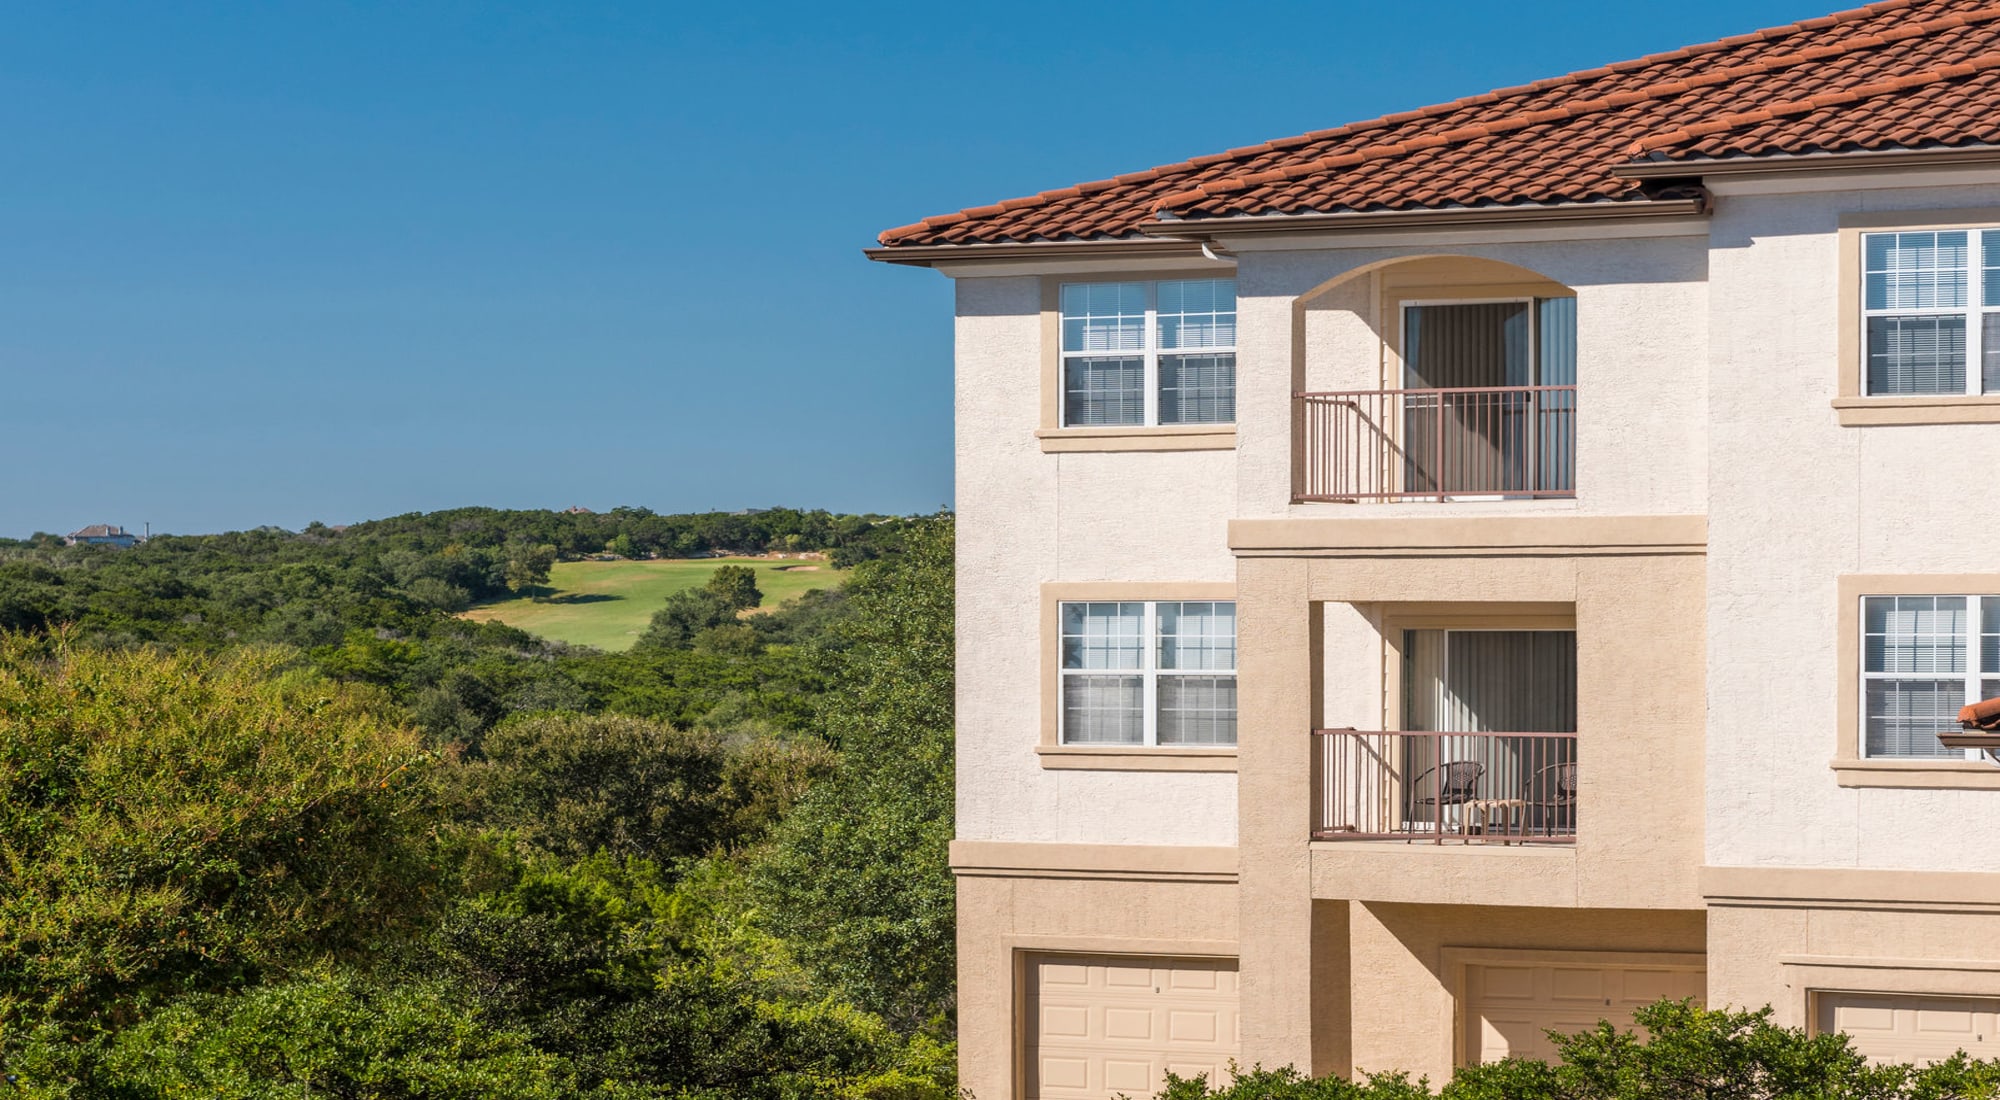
(1922, 658)
(1142, 673)
(1149, 353)
(1931, 309)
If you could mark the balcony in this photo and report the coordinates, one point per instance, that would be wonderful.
(1504, 788)
(1494, 442)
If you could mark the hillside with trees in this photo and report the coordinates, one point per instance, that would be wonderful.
(280, 825)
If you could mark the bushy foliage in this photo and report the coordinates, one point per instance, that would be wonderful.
(858, 877)
(1287, 1083)
(1680, 1052)
(175, 822)
(647, 986)
(276, 824)
(328, 1035)
(577, 784)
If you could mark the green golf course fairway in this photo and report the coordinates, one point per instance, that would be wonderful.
(607, 604)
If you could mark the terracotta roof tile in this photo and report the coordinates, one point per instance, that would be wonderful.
(1902, 73)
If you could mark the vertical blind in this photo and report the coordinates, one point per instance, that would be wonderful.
(1929, 298)
(1180, 655)
(1482, 681)
(1921, 660)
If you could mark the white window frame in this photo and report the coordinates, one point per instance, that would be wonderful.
(1149, 672)
(1973, 311)
(1149, 352)
(1974, 661)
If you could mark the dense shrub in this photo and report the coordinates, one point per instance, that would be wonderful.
(576, 784)
(1686, 1053)
(177, 822)
(327, 1036)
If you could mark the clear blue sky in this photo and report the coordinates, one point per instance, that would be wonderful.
(277, 263)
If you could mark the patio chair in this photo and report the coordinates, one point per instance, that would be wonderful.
(1451, 784)
(1555, 790)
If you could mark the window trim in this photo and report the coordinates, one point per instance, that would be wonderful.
(1850, 765)
(1852, 405)
(1049, 749)
(1150, 352)
(1970, 675)
(1054, 438)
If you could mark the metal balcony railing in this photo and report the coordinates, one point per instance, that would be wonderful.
(1510, 788)
(1503, 441)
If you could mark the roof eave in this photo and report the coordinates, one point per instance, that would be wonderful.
(928, 255)
(1428, 217)
(1691, 168)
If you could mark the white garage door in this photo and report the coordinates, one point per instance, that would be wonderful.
(1508, 1008)
(1101, 1026)
(1890, 1028)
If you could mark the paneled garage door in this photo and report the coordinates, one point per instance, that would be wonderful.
(1894, 1028)
(1508, 1008)
(1103, 1025)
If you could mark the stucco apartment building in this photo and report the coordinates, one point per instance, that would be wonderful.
(1482, 569)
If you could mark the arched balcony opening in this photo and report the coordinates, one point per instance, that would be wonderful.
(1436, 378)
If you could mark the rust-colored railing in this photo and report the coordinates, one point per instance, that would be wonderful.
(1508, 788)
(1504, 441)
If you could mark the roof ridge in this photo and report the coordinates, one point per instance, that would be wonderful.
(1510, 123)
(1579, 76)
(1725, 123)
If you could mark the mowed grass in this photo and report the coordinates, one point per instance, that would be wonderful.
(607, 604)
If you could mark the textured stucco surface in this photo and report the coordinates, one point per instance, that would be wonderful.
(998, 918)
(1027, 518)
(1778, 956)
(1397, 959)
(1308, 319)
(1796, 500)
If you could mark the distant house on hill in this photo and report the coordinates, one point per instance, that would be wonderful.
(102, 534)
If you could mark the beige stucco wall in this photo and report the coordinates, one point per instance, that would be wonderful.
(1639, 624)
(1004, 917)
(1781, 954)
(1403, 994)
(1026, 518)
(1797, 501)
(1641, 387)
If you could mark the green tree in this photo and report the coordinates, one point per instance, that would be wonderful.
(576, 785)
(857, 878)
(684, 616)
(179, 823)
(528, 566)
(735, 586)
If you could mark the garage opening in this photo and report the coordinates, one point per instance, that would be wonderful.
(1889, 1027)
(1508, 1009)
(1098, 1026)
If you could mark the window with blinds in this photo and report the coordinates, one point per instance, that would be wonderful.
(1931, 309)
(1922, 658)
(1140, 672)
(1139, 354)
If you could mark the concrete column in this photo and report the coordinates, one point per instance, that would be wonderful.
(1277, 674)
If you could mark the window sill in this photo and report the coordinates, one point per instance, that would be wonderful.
(1138, 758)
(1173, 437)
(1962, 775)
(1863, 412)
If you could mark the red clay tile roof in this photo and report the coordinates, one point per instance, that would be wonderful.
(1894, 75)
